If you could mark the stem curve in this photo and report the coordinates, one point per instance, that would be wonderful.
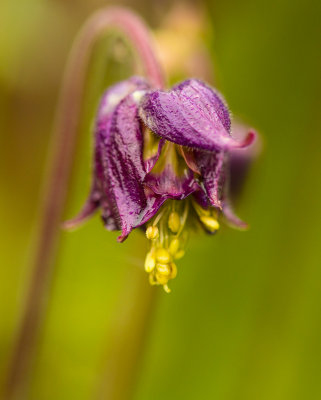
(56, 185)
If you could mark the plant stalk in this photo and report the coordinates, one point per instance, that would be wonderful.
(58, 178)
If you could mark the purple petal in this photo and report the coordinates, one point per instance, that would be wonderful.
(169, 184)
(231, 218)
(212, 100)
(98, 196)
(241, 160)
(201, 198)
(239, 164)
(213, 174)
(192, 115)
(171, 177)
(88, 209)
(189, 157)
(153, 204)
(124, 172)
(113, 96)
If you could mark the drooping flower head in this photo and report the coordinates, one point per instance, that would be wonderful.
(162, 163)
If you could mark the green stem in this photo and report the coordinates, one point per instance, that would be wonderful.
(57, 182)
(127, 335)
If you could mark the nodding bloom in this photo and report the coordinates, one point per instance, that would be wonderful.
(162, 163)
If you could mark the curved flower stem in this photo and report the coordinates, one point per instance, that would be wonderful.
(56, 188)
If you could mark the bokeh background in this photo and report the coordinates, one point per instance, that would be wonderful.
(243, 320)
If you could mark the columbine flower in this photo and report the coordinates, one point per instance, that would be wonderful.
(162, 163)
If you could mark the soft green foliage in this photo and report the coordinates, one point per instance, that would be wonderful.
(243, 319)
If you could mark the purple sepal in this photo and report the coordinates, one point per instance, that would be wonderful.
(216, 177)
(118, 144)
(124, 167)
(87, 211)
(241, 159)
(233, 220)
(213, 174)
(201, 198)
(191, 114)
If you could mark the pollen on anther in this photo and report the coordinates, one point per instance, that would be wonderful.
(163, 256)
(174, 222)
(210, 223)
(150, 262)
(174, 246)
(152, 232)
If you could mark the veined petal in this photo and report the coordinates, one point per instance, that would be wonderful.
(189, 157)
(192, 115)
(97, 196)
(215, 171)
(201, 198)
(206, 100)
(124, 170)
(152, 205)
(212, 167)
(113, 96)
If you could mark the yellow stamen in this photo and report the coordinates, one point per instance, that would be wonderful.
(210, 223)
(200, 210)
(174, 222)
(166, 288)
(163, 256)
(163, 269)
(152, 279)
(161, 279)
(168, 238)
(179, 254)
(174, 246)
(150, 262)
(152, 232)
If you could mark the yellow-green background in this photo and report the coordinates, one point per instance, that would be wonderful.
(244, 318)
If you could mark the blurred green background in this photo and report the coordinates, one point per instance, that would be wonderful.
(243, 320)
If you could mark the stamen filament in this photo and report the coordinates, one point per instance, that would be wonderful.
(165, 233)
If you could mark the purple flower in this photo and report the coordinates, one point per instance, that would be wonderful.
(162, 162)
